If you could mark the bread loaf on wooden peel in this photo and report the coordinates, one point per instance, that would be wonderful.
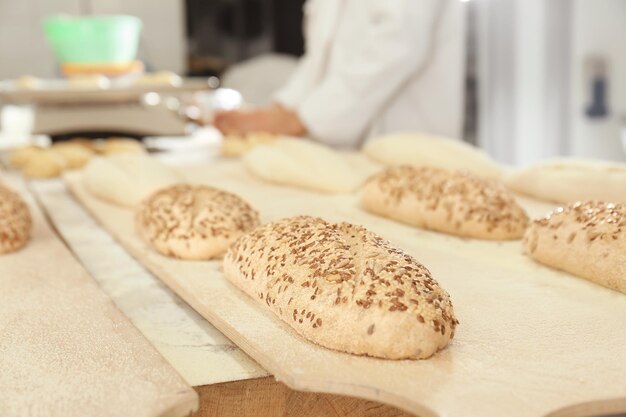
(15, 221)
(587, 239)
(452, 202)
(343, 287)
(193, 222)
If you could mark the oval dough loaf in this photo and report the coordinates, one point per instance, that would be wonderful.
(569, 180)
(15, 221)
(304, 164)
(44, 164)
(193, 222)
(125, 179)
(452, 202)
(343, 287)
(587, 239)
(419, 149)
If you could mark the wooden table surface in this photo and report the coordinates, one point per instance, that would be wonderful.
(65, 349)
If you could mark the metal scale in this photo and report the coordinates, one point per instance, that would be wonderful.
(61, 109)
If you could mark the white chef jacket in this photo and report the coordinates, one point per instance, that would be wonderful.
(379, 66)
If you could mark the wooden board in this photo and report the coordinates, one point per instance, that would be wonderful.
(532, 341)
(228, 382)
(196, 349)
(65, 350)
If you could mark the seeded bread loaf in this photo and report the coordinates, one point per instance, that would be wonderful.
(193, 222)
(343, 287)
(451, 202)
(587, 239)
(15, 221)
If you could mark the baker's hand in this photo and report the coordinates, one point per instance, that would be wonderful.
(275, 119)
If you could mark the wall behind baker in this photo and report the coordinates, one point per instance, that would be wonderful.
(23, 48)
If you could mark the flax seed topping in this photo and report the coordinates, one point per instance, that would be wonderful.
(597, 220)
(336, 266)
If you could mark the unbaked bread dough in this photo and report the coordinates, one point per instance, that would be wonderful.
(44, 164)
(304, 164)
(21, 156)
(121, 145)
(420, 149)
(75, 155)
(568, 180)
(234, 146)
(125, 179)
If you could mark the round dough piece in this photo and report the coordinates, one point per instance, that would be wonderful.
(121, 145)
(126, 178)
(304, 164)
(44, 164)
(75, 155)
(567, 180)
(420, 149)
(194, 222)
(453, 202)
(87, 143)
(21, 156)
(15, 221)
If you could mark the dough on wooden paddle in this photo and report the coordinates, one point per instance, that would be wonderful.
(568, 180)
(343, 287)
(125, 179)
(587, 239)
(15, 221)
(453, 202)
(193, 222)
(421, 149)
(303, 164)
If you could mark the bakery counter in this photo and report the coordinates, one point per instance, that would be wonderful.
(228, 382)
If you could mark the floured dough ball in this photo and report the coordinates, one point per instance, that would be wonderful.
(587, 239)
(194, 222)
(453, 202)
(125, 179)
(420, 149)
(303, 164)
(86, 143)
(75, 155)
(23, 155)
(121, 145)
(568, 180)
(44, 164)
(15, 221)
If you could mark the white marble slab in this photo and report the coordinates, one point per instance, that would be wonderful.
(198, 351)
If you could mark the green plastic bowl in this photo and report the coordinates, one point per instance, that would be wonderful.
(94, 39)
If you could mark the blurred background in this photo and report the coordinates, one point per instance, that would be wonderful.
(540, 78)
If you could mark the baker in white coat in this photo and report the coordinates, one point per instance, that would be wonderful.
(370, 67)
